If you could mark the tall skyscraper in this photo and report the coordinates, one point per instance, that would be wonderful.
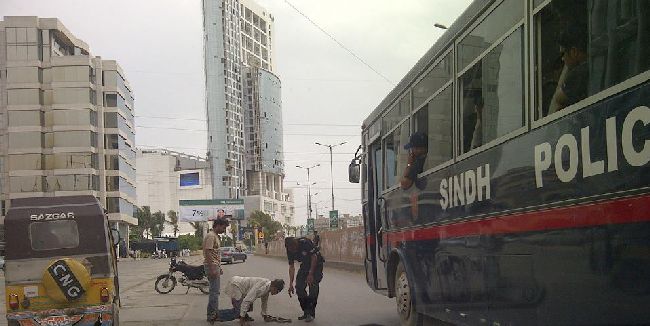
(248, 58)
(66, 120)
(222, 52)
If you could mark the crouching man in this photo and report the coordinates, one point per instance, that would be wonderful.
(243, 291)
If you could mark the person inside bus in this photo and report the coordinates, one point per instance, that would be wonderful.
(477, 134)
(418, 147)
(572, 86)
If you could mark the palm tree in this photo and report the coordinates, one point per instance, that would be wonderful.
(198, 229)
(158, 223)
(173, 220)
(145, 221)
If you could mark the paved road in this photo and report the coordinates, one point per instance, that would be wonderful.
(345, 300)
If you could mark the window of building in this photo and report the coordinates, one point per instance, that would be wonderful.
(25, 162)
(72, 182)
(27, 184)
(27, 96)
(71, 161)
(492, 94)
(585, 47)
(110, 120)
(71, 74)
(25, 118)
(82, 117)
(30, 139)
(435, 120)
(23, 75)
(73, 139)
(110, 100)
(111, 141)
(72, 96)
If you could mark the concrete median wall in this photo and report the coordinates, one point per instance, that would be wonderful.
(342, 246)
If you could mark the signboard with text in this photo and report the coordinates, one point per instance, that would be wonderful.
(211, 209)
(310, 225)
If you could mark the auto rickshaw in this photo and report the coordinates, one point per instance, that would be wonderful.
(61, 266)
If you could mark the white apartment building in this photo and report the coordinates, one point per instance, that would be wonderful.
(256, 25)
(66, 120)
(165, 177)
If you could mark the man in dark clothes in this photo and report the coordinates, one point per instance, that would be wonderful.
(573, 83)
(309, 275)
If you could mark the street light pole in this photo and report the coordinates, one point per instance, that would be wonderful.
(308, 186)
(331, 165)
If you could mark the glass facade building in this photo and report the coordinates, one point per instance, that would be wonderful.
(66, 120)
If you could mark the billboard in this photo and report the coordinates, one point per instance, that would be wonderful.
(190, 179)
(210, 209)
(334, 219)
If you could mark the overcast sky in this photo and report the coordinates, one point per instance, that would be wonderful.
(326, 92)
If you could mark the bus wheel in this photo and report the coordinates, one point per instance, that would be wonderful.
(403, 296)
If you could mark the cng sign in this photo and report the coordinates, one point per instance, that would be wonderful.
(66, 280)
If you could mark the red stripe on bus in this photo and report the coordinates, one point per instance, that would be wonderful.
(628, 210)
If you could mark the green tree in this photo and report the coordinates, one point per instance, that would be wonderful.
(264, 221)
(198, 229)
(173, 220)
(158, 223)
(189, 241)
(143, 214)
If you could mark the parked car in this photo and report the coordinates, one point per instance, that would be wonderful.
(231, 254)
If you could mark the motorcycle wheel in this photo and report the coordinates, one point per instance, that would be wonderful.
(165, 284)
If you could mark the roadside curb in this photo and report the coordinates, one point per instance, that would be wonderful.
(348, 267)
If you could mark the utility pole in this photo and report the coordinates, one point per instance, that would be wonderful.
(331, 165)
(308, 186)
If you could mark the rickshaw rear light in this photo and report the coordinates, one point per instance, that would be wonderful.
(104, 295)
(14, 302)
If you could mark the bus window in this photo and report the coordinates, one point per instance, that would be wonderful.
(437, 77)
(586, 47)
(391, 119)
(497, 23)
(492, 94)
(395, 156)
(435, 120)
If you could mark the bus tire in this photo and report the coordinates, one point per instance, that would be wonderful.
(404, 298)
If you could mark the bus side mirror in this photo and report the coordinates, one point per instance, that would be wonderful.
(115, 234)
(354, 171)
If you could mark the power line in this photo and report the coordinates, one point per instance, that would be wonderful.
(284, 134)
(288, 124)
(339, 43)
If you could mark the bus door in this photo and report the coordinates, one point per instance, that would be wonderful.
(376, 210)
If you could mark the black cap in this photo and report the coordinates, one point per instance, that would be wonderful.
(418, 139)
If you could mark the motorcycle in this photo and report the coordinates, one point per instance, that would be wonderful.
(192, 277)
